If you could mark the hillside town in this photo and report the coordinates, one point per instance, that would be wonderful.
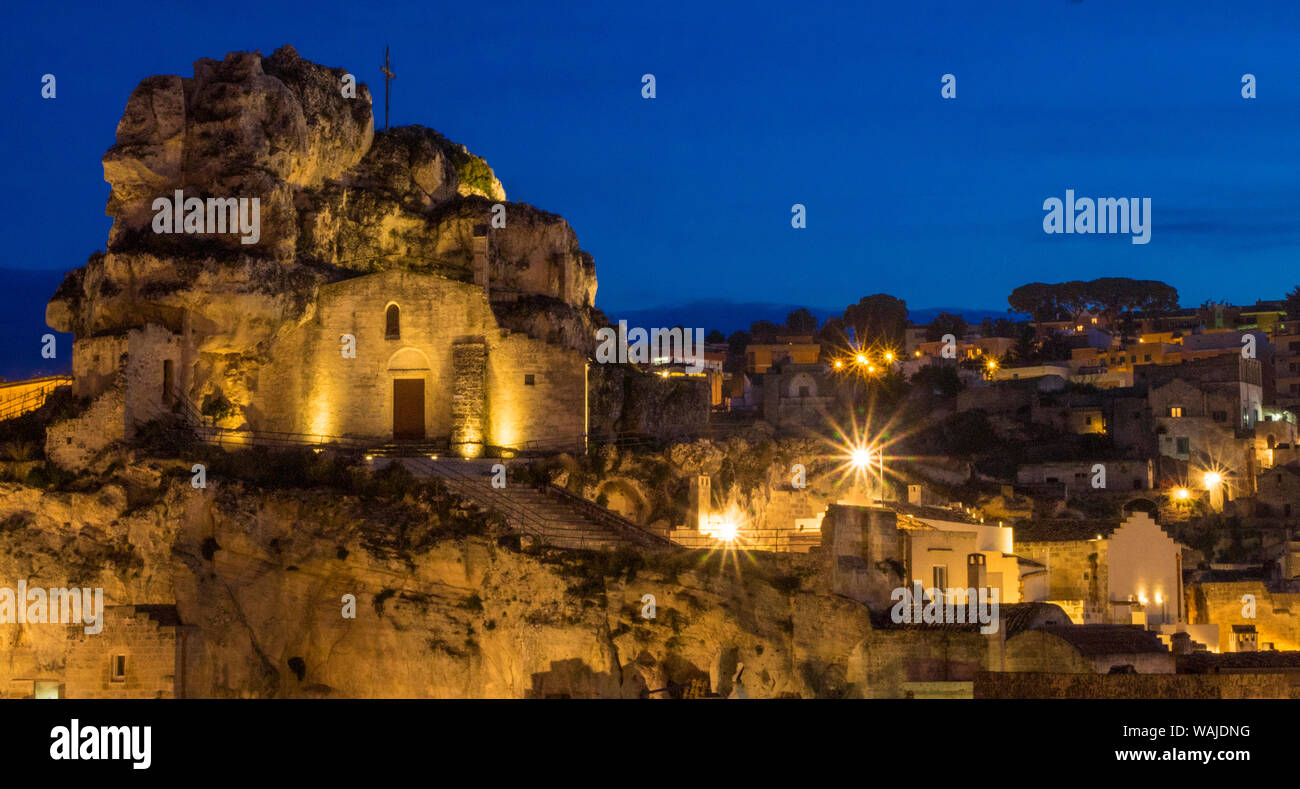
(376, 439)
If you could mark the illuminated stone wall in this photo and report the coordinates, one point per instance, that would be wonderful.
(468, 399)
(83, 662)
(888, 661)
(1277, 614)
(1077, 569)
(309, 386)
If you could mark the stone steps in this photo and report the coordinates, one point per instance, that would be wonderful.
(526, 509)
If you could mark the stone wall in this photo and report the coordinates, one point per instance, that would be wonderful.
(96, 361)
(1019, 685)
(1277, 614)
(73, 443)
(468, 398)
(1077, 570)
(1036, 650)
(895, 658)
(308, 386)
(153, 647)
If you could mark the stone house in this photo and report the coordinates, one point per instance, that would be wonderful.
(1108, 572)
(139, 654)
(1083, 649)
(796, 394)
(1076, 476)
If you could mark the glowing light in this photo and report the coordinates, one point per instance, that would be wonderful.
(1182, 494)
(1159, 599)
(992, 365)
(1213, 479)
(369, 458)
(871, 368)
(917, 354)
(889, 356)
(861, 358)
(1142, 598)
(838, 364)
(726, 532)
(861, 457)
(433, 457)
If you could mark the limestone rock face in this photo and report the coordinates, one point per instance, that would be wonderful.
(260, 576)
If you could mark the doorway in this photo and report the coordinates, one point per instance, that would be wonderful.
(408, 409)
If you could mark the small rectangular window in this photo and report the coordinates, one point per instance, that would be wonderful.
(47, 689)
(119, 668)
(1183, 446)
(529, 380)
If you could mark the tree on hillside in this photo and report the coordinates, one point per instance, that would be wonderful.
(1000, 327)
(1117, 298)
(801, 321)
(715, 337)
(832, 335)
(764, 331)
(879, 318)
(1293, 304)
(946, 323)
(736, 344)
(940, 379)
(1038, 299)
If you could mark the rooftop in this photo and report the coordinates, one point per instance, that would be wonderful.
(1097, 640)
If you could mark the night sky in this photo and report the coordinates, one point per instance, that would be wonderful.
(760, 106)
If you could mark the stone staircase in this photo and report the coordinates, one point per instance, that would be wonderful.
(547, 515)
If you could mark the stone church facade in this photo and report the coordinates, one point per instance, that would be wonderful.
(431, 363)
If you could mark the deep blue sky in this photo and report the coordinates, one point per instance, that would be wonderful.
(836, 106)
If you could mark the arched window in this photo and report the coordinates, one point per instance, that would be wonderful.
(393, 323)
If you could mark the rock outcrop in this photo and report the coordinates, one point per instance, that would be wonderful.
(259, 578)
(337, 200)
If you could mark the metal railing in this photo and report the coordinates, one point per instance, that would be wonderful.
(195, 422)
(612, 520)
(32, 399)
(548, 531)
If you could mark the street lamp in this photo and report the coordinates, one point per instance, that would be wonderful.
(1214, 484)
(863, 458)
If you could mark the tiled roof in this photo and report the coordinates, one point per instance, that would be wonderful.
(1017, 617)
(1096, 640)
(1063, 530)
(933, 513)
